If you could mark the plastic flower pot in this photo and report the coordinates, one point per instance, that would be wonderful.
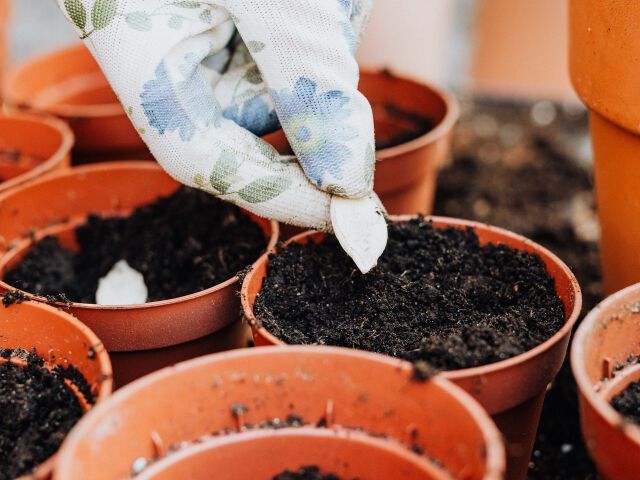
(513, 390)
(604, 56)
(69, 84)
(61, 340)
(31, 146)
(405, 177)
(346, 454)
(354, 393)
(140, 338)
(605, 340)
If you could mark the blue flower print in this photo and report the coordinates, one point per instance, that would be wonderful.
(347, 28)
(185, 106)
(316, 125)
(255, 115)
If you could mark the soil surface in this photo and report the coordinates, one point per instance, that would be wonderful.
(435, 296)
(409, 124)
(627, 402)
(306, 473)
(37, 410)
(183, 243)
(533, 177)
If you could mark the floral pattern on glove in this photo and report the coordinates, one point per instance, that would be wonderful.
(316, 125)
(185, 105)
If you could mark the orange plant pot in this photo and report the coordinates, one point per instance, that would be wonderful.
(606, 338)
(42, 144)
(604, 57)
(405, 177)
(513, 390)
(61, 340)
(345, 388)
(141, 338)
(69, 84)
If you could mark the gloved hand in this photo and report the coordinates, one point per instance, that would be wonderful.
(201, 80)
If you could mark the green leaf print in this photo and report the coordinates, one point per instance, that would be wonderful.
(264, 189)
(103, 12)
(187, 4)
(139, 21)
(77, 13)
(224, 172)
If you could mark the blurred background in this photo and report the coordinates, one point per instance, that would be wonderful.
(498, 47)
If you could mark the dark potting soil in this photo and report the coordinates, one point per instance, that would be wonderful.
(306, 473)
(414, 126)
(435, 296)
(535, 179)
(627, 403)
(37, 410)
(183, 243)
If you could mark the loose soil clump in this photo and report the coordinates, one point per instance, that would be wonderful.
(627, 403)
(182, 244)
(436, 296)
(37, 410)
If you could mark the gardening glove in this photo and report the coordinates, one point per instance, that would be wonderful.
(201, 80)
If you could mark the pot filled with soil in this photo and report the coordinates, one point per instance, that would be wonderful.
(414, 124)
(337, 410)
(148, 265)
(489, 308)
(604, 56)
(69, 84)
(22, 158)
(52, 370)
(604, 359)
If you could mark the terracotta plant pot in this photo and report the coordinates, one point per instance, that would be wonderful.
(69, 84)
(604, 56)
(343, 388)
(513, 390)
(603, 344)
(31, 146)
(61, 340)
(141, 338)
(405, 177)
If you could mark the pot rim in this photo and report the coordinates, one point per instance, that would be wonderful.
(106, 385)
(458, 223)
(591, 323)
(68, 111)
(336, 433)
(57, 157)
(442, 128)
(495, 454)
(272, 241)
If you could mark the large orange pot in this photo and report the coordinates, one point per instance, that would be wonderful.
(61, 340)
(40, 145)
(513, 390)
(405, 177)
(604, 58)
(334, 390)
(140, 338)
(69, 84)
(606, 339)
